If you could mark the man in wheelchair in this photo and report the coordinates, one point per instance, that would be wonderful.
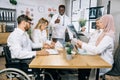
(18, 52)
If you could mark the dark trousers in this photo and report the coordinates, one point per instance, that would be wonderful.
(83, 74)
(53, 73)
(25, 66)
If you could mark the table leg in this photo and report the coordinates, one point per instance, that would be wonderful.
(83, 74)
(97, 74)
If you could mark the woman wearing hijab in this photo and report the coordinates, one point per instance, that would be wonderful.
(104, 45)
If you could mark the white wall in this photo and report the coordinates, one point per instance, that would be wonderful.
(45, 4)
(81, 11)
(37, 8)
(115, 11)
(68, 7)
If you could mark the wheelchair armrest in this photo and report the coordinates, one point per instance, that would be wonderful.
(36, 49)
(26, 60)
(15, 60)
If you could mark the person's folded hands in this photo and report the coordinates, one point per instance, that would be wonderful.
(46, 46)
(52, 45)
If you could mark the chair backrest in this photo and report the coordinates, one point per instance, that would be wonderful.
(7, 54)
(10, 63)
(115, 71)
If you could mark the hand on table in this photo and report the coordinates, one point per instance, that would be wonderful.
(46, 46)
(52, 45)
(42, 53)
(79, 43)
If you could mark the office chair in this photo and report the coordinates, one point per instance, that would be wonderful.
(115, 71)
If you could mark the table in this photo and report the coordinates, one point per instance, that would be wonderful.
(78, 62)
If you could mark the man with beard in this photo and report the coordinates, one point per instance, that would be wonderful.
(20, 44)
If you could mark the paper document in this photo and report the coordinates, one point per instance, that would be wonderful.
(52, 51)
(72, 29)
(74, 41)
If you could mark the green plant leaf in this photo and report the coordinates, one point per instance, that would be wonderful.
(14, 2)
(82, 22)
(69, 47)
(69, 51)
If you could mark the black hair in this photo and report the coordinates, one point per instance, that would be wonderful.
(23, 18)
(61, 6)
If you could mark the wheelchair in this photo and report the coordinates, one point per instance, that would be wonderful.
(13, 74)
(22, 66)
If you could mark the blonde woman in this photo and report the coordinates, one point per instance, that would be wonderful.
(39, 34)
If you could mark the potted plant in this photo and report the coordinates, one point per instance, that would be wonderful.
(82, 22)
(68, 49)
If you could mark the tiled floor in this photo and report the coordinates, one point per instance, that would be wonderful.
(2, 63)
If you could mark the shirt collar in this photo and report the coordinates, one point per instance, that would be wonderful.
(61, 15)
(101, 30)
(20, 30)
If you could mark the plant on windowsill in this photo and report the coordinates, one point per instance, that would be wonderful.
(82, 22)
(51, 15)
(14, 2)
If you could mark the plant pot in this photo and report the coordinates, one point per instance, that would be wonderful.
(68, 56)
(68, 50)
(68, 53)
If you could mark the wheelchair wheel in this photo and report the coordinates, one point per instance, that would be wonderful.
(13, 74)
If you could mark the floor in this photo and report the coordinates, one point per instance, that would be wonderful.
(2, 62)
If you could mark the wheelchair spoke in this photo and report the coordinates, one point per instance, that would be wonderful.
(13, 74)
